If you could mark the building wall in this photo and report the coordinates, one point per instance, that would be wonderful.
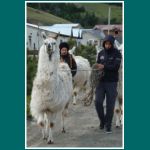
(89, 39)
(35, 41)
(34, 38)
(117, 36)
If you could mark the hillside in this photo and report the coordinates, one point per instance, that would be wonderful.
(87, 14)
(101, 10)
(35, 16)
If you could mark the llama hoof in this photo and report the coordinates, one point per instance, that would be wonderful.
(74, 103)
(63, 131)
(117, 127)
(50, 142)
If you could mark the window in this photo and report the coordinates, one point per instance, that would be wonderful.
(34, 47)
(61, 40)
(30, 39)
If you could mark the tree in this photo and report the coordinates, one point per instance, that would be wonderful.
(88, 52)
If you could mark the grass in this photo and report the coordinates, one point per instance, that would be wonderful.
(28, 106)
(42, 18)
(101, 10)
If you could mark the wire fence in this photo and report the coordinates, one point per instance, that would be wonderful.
(80, 69)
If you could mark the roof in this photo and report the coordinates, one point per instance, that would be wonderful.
(62, 29)
(108, 27)
(32, 25)
(69, 30)
(71, 25)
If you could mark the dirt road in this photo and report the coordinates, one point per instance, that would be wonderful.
(82, 130)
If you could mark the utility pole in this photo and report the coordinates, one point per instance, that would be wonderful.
(109, 16)
(38, 34)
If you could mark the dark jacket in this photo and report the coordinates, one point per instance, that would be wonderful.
(111, 60)
(71, 62)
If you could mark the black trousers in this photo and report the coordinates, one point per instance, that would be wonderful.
(108, 89)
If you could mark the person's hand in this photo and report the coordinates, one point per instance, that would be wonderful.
(100, 66)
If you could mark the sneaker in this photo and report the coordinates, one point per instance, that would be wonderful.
(108, 130)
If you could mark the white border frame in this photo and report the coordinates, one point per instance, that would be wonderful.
(26, 147)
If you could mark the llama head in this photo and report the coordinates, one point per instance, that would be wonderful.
(49, 56)
(52, 50)
(50, 44)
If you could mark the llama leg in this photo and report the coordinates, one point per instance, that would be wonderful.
(74, 97)
(63, 120)
(121, 116)
(41, 123)
(121, 120)
(51, 119)
(50, 136)
(64, 114)
(45, 130)
(118, 115)
(62, 123)
(121, 110)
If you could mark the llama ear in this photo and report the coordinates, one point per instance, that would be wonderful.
(72, 51)
(43, 34)
(57, 36)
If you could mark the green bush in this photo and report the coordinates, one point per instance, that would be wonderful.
(88, 52)
(71, 42)
(31, 72)
(28, 106)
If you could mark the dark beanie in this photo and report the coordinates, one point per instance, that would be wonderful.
(64, 44)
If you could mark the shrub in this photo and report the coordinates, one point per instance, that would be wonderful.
(88, 52)
(28, 106)
(31, 72)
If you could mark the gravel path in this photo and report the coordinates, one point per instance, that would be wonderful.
(82, 130)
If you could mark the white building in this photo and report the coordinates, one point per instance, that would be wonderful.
(91, 36)
(34, 39)
(65, 31)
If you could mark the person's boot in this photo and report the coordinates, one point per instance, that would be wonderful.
(102, 125)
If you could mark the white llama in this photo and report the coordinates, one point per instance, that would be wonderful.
(52, 89)
(81, 80)
(119, 100)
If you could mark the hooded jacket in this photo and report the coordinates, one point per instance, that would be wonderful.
(111, 59)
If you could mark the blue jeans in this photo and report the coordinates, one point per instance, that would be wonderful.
(108, 89)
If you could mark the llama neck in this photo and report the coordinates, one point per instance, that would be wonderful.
(55, 60)
(43, 62)
(54, 66)
(46, 67)
(53, 70)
